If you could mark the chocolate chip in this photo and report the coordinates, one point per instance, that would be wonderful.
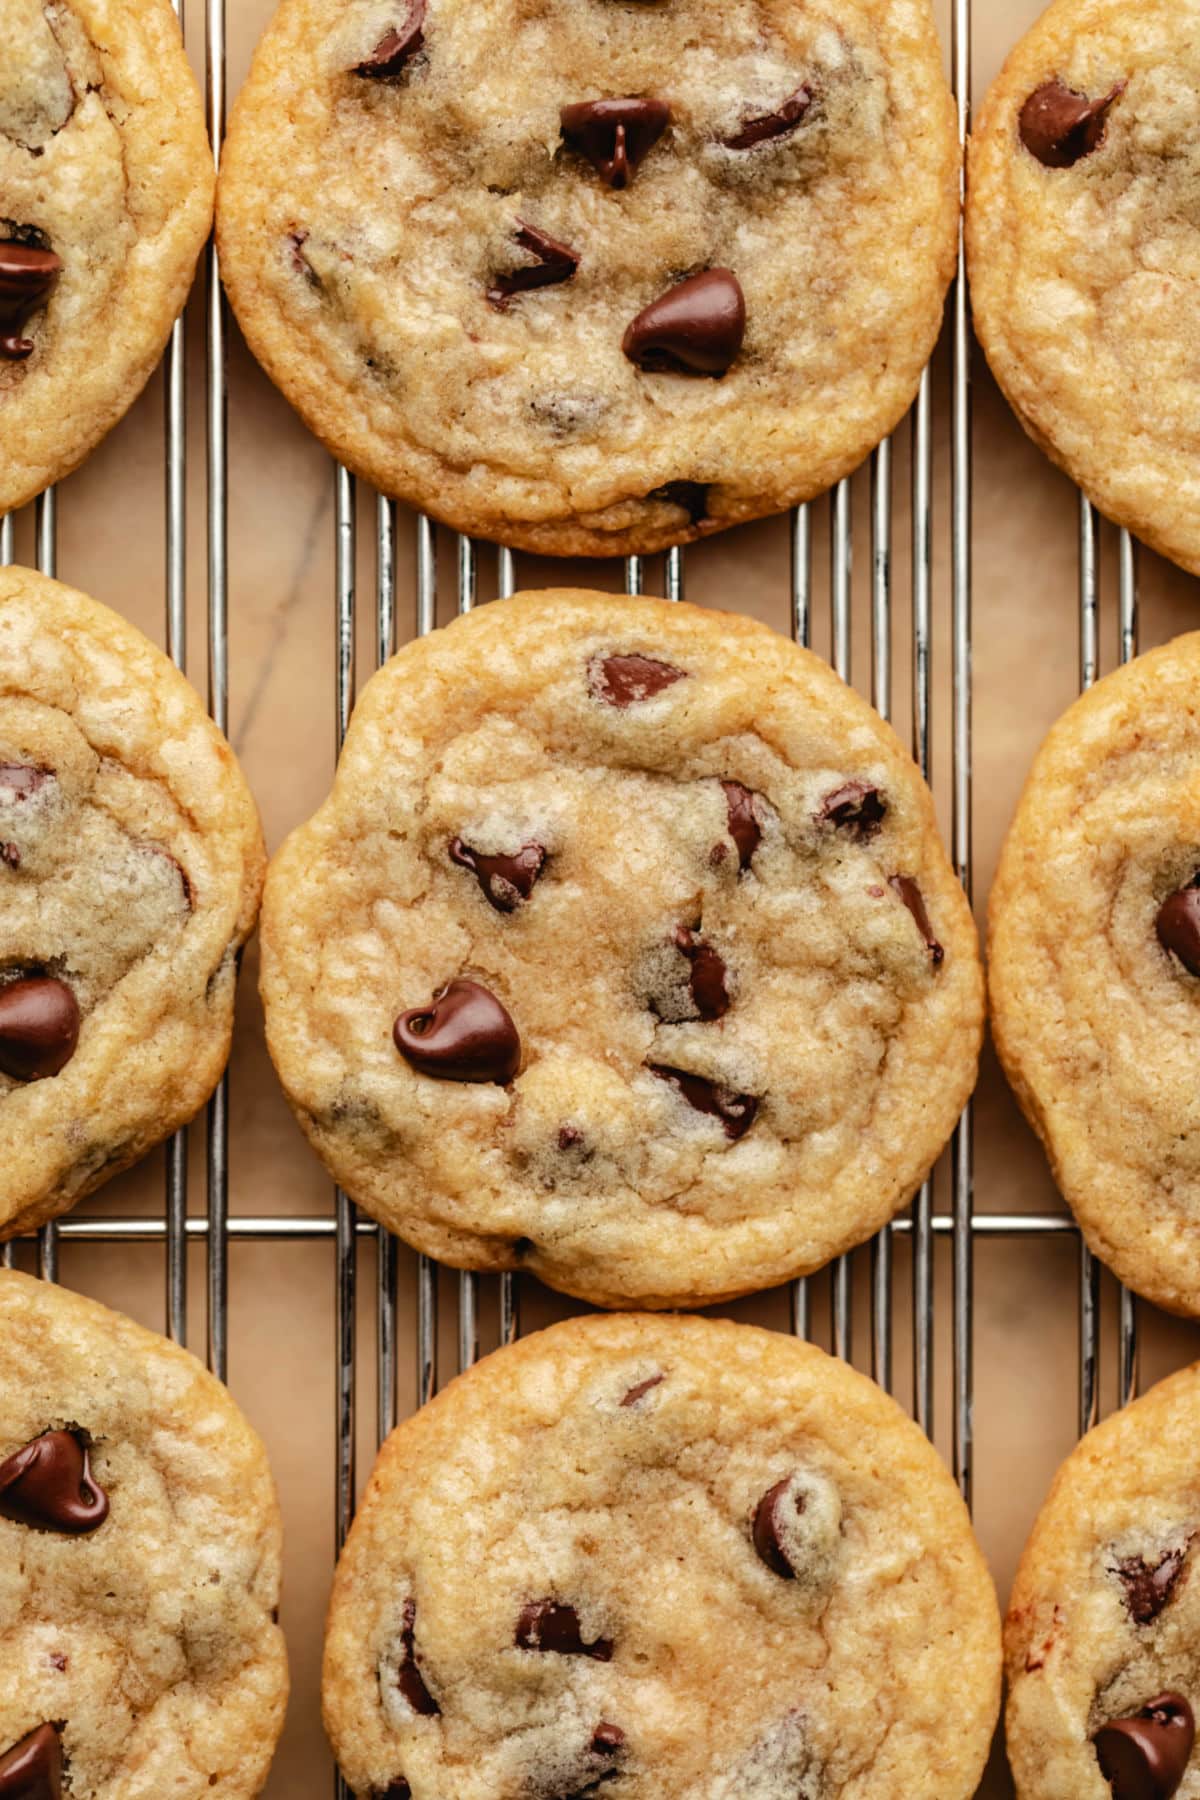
(505, 880)
(549, 1625)
(771, 1527)
(1149, 1586)
(780, 123)
(300, 262)
(696, 328)
(735, 1111)
(39, 1027)
(641, 1389)
(1061, 127)
(616, 136)
(744, 825)
(32, 1769)
(464, 1034)
(690, 497)
(626, 680)
(1145, 1756)
(912, 897)
(554, 263)
(48, 1485)
(569, 1137)
(1178, 925)
(58, 1661)
(20, 780)
(27, 278)
(399, 1790)
(857, 809)
(707, 981)
(608, 1739)
(408, 1677)
(396, 49)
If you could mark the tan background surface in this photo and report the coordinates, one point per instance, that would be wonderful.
(282, 724)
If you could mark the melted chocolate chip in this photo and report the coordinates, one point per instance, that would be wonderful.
(912, 897)
(608, 1739)
(641, 1388)
(18, 781)
(1149, 1586)
(856, 808)
(696, 328)
(464, 1034)
(39, 1027)
(1178, 925)
(690, 497)
(1061, 127)
(616, 136)
(396, 49)
(707, 982)
(505, 880)
(744, 826)
(408, 1677)
(399, 1790)
(32, 1769)
(770, 1528)
(1145, 1756)
(569, 1137)
(27, 278)
(549, 1625)
(58, 1661)
(48, 1485)
(554, 263)
(735, 1111)
(780, 123)
(626, 680)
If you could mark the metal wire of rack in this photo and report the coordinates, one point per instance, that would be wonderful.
(217, 1227)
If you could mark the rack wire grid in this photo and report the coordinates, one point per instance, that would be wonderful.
(216, 1227)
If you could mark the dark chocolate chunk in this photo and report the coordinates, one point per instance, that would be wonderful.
(39, 1027)
(912, 897)
(1149, 1585)
(707, 982)
(744, 826)
(396, 48)
(616, 136)
(549, 1625)
(625, 680)
(464, 1034)
(505, 880)
(32, 1769)
(780, 123)
(1178, 925)
(1061, 127)
(690, 497)
(696, 328)
(19, 780)
(1145, 1756)
(27, 278)
(735, 1111)
(641, 1388)
(48, 1485)
(608, 1739)
(770, 1528)
(554, 263)
(408, 1677)
(857, 809)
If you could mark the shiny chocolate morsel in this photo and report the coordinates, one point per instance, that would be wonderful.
(1149, 1585)
(505, 881)
(1145, 1756)
(551, 1626)
(1061, 127)
(396, 48)
(623, 681)
(914, 900)
(27, 278)
(745, 827)
(856, 808)
(1178, 925)
(735, 1111)
(32, 1769)
(616, 135)
(39, 1027)
(707, 980)
(554, 263)
(409, 1679)
(695, 328)
(48, 1485)
(780, 123)
(464, 1034)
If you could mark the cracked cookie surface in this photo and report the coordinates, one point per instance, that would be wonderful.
(1105, 1613)
(624, 950)
(558, 1583)
(1082, 237)
(442, 248)
(140, 1653)
(106, 189)
(131, 865)
(1095, 967)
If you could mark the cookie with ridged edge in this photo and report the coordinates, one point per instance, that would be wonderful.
(713, 999)
(143, 1649)
(393, 167)
(1094, 1008)
(131, 866)
(106, 192)
(1082, 254)
(672, 1555)
(1105, 1612)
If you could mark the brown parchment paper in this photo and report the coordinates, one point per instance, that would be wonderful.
(282, 725)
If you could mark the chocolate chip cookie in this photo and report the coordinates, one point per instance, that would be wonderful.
(672, 1555)
(594, 276)
(1102, 1640)
(1095, 967)
(1081, 230)
(131, 864)
(106, 189)
(624, 950)
(140, 1544)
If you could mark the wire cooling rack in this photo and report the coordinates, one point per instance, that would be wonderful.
(923, 1225)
